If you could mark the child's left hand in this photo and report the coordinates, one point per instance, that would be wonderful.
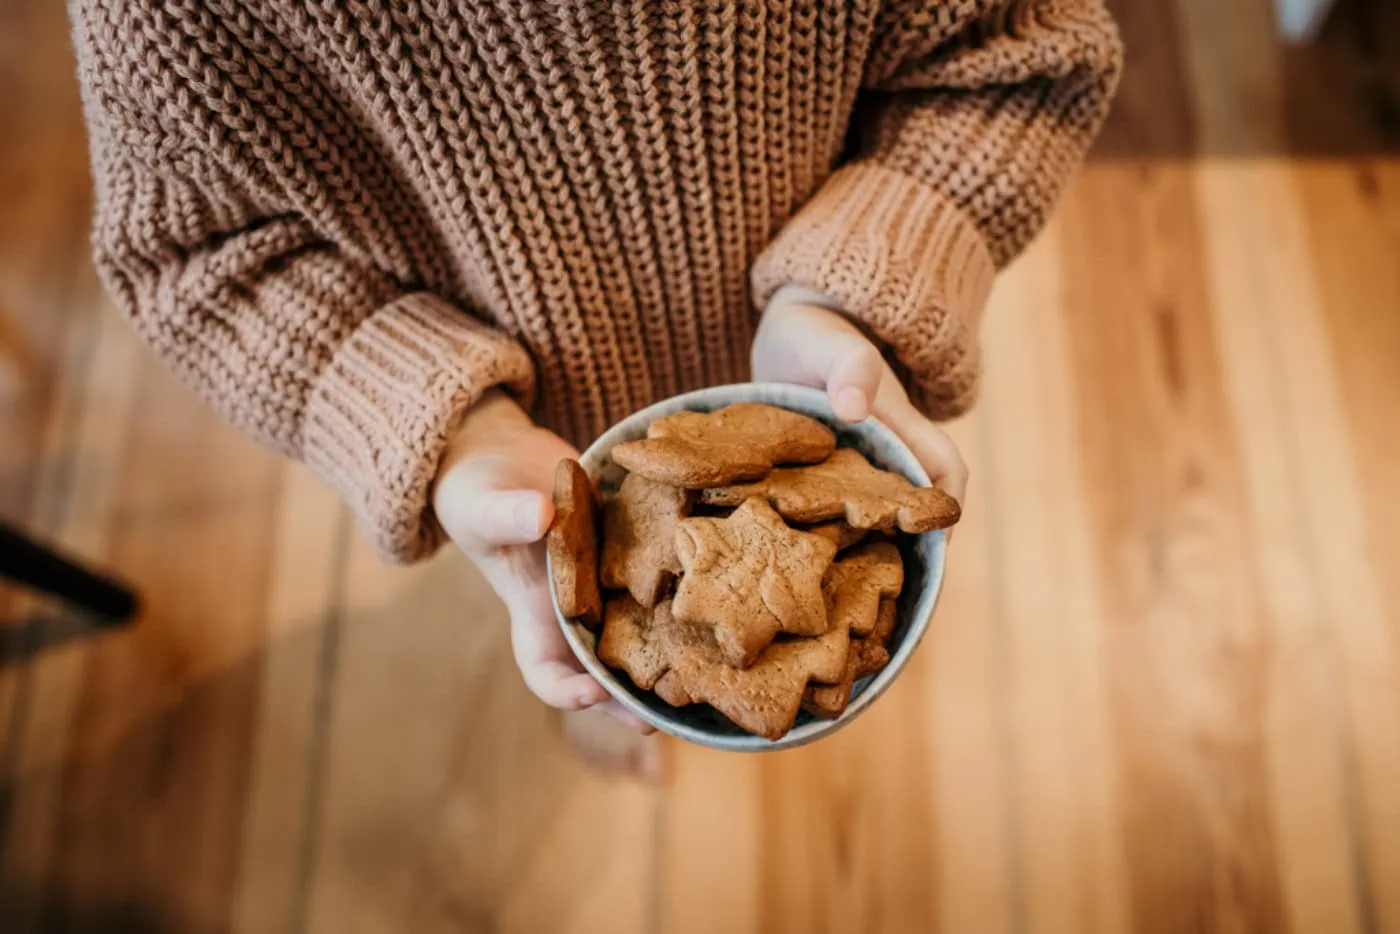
(800, 341)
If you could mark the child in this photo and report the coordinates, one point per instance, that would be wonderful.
(428, 246)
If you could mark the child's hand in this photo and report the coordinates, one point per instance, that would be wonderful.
(493, 496)
(800, 341)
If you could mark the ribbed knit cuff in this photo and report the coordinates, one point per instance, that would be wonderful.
(901, 259)
(379, 418)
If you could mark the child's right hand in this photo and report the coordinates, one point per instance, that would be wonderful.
(493, 496)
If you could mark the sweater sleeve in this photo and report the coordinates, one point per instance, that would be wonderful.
(306, 344)
(963, 136)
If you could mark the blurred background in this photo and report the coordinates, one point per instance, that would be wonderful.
(1160, 694)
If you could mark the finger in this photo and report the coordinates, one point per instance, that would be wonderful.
(815, 346)
(939, 455)
(615, 710)
(559, 685)
(512, 517)
(853, 376)
(475, 513)
(549, 668)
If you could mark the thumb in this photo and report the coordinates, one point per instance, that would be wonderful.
(853, 368)
(511, 517)
(804, 343)
(480, 512)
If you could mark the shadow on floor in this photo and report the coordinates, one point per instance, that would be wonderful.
(25, 910)
(413, 774)
(22, 639)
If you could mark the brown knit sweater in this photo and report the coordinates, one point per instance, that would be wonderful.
(342, 221)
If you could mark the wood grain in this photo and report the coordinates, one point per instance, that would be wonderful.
(448, 801)
(303, 606)
(1162, 691)
(1057, 676)
(1187, 643)
(971, 750)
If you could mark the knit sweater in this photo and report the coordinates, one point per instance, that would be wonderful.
(343, 221)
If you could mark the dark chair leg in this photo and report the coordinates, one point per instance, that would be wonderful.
(43, 569)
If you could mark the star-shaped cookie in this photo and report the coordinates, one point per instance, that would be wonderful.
(750, 577)
(643, 641)
(738, 442)
(639, 537)
(846, 484)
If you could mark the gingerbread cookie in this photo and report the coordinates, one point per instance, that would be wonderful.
(642, 641)
(672, 690)
(866, 657)
(839, 531)
(751, 577)
(639, 537)
(855, 585)
(739, 442)
(684, 664)
(846, 485)
(573, 545)
(764, 698)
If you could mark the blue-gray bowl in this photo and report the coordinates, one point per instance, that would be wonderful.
(924, 557)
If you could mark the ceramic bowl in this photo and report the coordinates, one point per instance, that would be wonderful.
(924, 557)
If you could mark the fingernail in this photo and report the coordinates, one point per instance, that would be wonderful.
(586, 697)
(852, 404)
(525, 512)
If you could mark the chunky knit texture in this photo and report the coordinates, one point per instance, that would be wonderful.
(342, 221)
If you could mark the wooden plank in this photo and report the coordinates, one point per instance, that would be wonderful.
(1281, 370)
(712, 803)
(79, 478)
(302, 608)
(1058, 671)
(1345, 217)
(43, 287)
(1320, 864)
(43, 216)
(195, 526)
(447, 785)
(838, 835)
(135, 771)
(1351, 220)
(971, 753)
(1277, 327)
(1189, 645)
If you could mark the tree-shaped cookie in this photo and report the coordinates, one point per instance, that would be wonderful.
(639, 537)
(860, 591)
(855, 585)
(846, 484)
(750, 577)
(684, 664)
(739, 442)
(765, 697)
(839, 531)
(867, 655)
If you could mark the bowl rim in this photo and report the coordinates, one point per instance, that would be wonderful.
(801, 734)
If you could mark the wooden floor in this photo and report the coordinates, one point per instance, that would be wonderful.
(1162, 692)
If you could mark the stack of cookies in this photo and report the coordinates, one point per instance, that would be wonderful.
(748, 562)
